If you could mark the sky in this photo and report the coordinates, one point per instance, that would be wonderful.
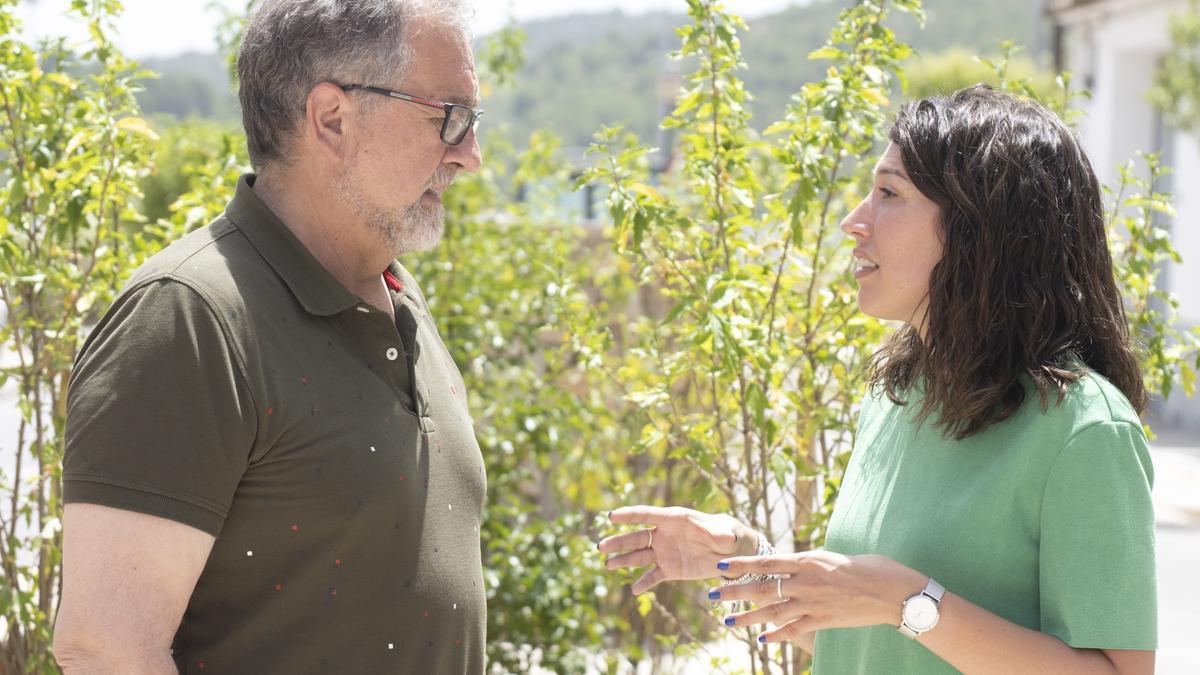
(157, 28)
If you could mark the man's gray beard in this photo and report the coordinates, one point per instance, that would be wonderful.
(416, 228)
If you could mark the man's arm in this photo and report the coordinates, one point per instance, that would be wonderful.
(127, 578)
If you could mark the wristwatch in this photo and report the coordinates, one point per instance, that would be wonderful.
(919, 613)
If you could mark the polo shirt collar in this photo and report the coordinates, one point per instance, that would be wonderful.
(314, 287)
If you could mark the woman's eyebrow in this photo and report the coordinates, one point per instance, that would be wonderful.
(893, 172)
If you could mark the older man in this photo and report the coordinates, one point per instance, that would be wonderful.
(270, 466)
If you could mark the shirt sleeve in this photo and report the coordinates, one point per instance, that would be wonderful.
(1097, 573)
(160, 419)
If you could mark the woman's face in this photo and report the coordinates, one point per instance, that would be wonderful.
(897, 233)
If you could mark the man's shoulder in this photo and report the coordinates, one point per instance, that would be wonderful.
(216, 261)
(201, 254)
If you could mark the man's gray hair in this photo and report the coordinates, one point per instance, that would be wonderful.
(291, 46)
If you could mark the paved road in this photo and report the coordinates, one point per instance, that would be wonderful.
(1177, 508)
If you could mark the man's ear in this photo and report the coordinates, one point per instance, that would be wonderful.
(327, 123)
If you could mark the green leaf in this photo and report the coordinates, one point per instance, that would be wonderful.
(826, 52)
(138, 126)
(645, 603)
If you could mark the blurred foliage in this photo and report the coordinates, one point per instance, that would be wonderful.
(184, 154)
(230, 28)
(947, 72)
(1142, 248)
(73, 151)
(1176, 88)
(749, 377)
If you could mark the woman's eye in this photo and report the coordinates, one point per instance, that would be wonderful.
(886, 192)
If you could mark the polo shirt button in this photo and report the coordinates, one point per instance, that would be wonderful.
(392, 354)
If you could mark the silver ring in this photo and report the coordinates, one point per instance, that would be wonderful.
(779, 588)
(651, 542)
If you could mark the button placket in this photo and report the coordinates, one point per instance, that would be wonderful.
(377, 334)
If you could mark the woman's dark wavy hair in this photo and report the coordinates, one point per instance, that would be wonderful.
(1025, 284)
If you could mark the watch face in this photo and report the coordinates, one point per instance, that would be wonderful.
(920, 613)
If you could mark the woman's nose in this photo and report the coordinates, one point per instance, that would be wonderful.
(854, 224)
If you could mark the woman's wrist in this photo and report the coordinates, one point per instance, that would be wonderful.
(747, 541)
(902, 583)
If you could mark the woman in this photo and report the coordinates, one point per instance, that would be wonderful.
(996, 507)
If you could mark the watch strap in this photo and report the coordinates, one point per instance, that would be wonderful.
(935, 591)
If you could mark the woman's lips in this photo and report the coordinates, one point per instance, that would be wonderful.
(865, 269)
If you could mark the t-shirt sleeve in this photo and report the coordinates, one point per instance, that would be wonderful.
(160, 419)
(1097, 547)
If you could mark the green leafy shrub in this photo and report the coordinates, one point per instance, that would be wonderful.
(72, 154)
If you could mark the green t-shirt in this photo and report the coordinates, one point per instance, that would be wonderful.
(1044, 519)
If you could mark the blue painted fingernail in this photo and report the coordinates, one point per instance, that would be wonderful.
(762, 638)
(714, 595)
(729, 621)
(722, 565)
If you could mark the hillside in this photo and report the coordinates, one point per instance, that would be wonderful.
(190, 85)
(584, 71)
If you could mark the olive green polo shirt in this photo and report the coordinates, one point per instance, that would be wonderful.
(235, 386)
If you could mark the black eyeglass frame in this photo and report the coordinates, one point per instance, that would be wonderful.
(448, 108)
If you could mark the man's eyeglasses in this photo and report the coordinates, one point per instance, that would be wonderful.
(458, 121)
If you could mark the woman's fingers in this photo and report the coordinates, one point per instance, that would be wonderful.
(639, 515)
(777, 613)
(798, 631)
(638, 558)
(788, 563)
(767, 564)
(758, 592)
(793, 624)
(648, 580)
(630, 541)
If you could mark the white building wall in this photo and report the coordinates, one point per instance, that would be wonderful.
(1185, 230)
(1113, 48)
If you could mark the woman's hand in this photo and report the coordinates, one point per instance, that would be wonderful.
(679, 544)
(828, 590)
(819, 590)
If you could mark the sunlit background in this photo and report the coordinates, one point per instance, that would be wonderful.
(172, 27)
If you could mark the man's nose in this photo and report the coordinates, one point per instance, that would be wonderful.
(466, 154)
